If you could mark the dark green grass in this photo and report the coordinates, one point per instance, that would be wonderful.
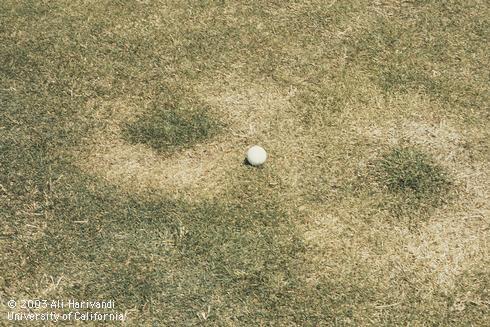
(410, 171)
(171, 126)
(414, 181)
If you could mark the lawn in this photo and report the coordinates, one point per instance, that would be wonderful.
(123, 131)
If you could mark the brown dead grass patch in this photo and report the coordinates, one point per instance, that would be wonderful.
(139, 168)
(254, 114)
(353, 233)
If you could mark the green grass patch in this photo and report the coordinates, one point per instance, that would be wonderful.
(171, 126)
(413, 177)
(408, 170)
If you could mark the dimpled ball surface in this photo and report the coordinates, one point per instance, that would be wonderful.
(256, 155)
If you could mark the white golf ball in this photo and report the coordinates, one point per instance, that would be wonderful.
(256, 155)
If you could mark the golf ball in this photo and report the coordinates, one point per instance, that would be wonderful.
(256, 155)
